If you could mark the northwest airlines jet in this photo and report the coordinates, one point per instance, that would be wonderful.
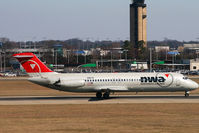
(103, 83)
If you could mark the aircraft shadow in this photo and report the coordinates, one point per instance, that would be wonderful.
(144, 97)
(42, 98)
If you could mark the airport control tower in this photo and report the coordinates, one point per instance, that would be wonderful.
(138, 22)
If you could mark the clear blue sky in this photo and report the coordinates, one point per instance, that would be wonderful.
(23, 20)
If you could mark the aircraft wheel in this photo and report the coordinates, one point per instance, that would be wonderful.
(186, 94)
(99, 94)
(106, 95)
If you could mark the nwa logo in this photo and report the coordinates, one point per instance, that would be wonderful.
(152, 79)
(163, 80)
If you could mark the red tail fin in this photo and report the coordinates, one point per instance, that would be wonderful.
(31, 63)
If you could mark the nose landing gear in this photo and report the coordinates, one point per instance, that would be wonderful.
(186, 94)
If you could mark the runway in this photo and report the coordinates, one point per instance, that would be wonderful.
(36, 100)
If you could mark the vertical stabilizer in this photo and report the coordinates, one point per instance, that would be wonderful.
(32, 65)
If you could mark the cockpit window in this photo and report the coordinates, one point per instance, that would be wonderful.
(185, 78)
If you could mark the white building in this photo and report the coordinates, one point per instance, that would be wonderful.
(194, 64)
(139, 65)
(191, 46)
(161, 48)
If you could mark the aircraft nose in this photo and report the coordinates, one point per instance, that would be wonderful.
(194, 85)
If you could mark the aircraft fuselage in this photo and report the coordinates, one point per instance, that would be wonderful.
(117, 82)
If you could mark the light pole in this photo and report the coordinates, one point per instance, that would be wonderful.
(157, 55)
(1, 62)
(111, 62)
(56, 59)
(150, 59)
(4, 61)
(101, 55)
(173, 61)
(1, 57)
(68, 56)
(84, 57)
(120, 52)
(77, 58)
(126, 57)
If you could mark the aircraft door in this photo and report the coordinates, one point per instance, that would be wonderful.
(177, 82)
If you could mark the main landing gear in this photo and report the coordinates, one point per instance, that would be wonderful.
(105, 95)
(186, 94)
(99, 94)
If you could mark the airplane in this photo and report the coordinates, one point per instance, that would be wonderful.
(103, 83)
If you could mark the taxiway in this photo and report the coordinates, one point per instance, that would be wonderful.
(34, 100)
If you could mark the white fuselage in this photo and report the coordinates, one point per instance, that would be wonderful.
(116, 82)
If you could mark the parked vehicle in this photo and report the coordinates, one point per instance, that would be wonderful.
(10, 75)
(193, 72)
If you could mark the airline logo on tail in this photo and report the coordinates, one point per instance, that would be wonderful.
(31, 63)
(32, 66)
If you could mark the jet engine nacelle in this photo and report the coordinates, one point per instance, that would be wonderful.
(72, 83)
